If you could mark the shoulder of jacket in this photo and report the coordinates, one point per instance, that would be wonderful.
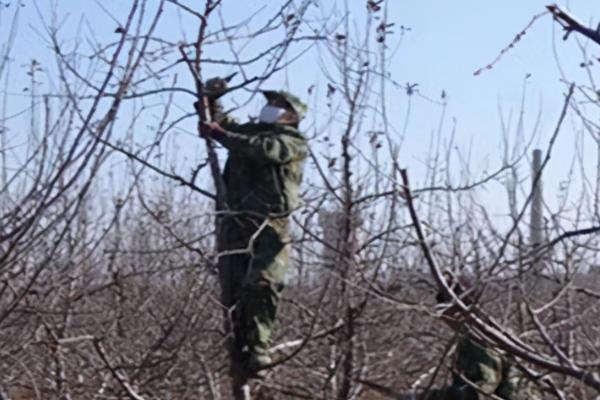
(265, 128)
(290, 130)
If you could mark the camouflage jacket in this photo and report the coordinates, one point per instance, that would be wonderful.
(491, 371)
(264, 169)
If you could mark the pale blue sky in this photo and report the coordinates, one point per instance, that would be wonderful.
(448, 41)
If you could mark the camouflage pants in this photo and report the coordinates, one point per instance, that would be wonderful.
(252, 266)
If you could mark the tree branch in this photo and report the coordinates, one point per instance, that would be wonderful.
(570, 24)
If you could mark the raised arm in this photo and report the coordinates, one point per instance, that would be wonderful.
(271, 146)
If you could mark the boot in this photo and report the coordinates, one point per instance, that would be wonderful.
(257, 365)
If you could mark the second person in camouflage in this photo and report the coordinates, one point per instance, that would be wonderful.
(479, 370)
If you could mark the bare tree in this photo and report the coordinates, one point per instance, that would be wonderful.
(111, 200)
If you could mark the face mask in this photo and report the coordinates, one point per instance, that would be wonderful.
(270, 114)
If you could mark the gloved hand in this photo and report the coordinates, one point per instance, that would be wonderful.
(211, 130)
(215, 88)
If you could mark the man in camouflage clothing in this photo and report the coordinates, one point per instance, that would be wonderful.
(478, 370)
(262, 178)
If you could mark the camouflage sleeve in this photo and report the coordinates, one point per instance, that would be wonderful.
(515, 384)
(279, 148)
(479, 366)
